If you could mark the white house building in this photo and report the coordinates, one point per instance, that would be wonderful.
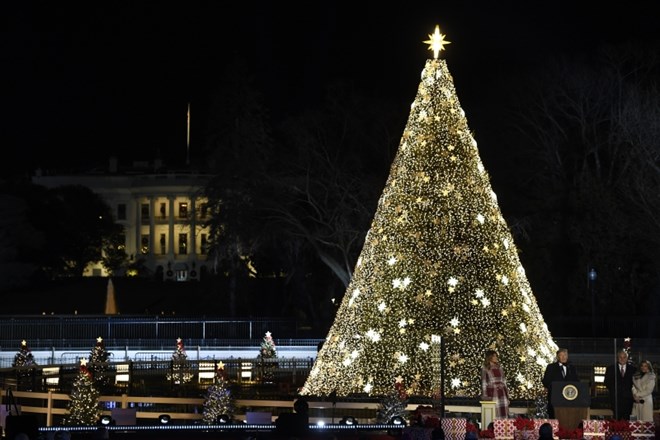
(163, 215)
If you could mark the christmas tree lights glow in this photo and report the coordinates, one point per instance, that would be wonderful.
(438, 262)
(83, 408)
(181, 372)
(98, 364)
(218, 400)
(24, 357)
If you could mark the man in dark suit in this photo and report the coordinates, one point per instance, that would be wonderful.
(619, 380)
(559, 371)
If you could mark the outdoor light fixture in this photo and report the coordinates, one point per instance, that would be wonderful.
(206, 370)
(123, 375)
(223, 419)
(105, 420)
(348, 420)
(164, 419)
(398, 420)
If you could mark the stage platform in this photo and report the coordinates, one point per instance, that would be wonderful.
(232, 431)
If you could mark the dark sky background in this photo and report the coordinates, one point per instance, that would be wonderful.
(85, 80)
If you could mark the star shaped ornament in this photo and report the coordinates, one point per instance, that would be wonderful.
(437, 42)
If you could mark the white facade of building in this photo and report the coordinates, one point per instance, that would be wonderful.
(163, 216)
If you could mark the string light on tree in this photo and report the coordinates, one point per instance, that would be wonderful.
(83, 408)
(24, 357)
(98, 359)
(181, 372)
(438, 262)
(218, 400)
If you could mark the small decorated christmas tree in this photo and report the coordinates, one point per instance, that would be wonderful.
(84, 404)
(24, 357)
(218, 400)
(98, 366)
(541, 407)
(393, 404)
(181, 371)
(267, 353)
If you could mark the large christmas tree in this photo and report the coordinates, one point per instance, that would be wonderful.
(84, 406)
(438, 264)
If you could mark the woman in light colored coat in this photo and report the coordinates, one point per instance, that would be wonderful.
(643, 385)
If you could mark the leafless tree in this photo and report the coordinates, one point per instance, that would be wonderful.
(587, 136)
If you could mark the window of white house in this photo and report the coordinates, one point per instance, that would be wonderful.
(144, 244)
(183, 244)
(183, 210)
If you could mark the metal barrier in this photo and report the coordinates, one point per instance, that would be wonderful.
(41, 331)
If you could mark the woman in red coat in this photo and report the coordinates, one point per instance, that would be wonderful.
(493, 384)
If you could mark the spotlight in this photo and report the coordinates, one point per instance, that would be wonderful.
(105, 420)
(348, 420)
(164, 419)
(398, 420)
(223, 419)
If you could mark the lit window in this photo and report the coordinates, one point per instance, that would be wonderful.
(144, 244)
(183, 244)
(163, 211)
(183, 210)
(163, 244)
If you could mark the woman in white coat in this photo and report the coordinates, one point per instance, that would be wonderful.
(643, 385)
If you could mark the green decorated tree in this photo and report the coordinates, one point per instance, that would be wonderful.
(24, 357)
(98, 364)
(83, 408)
(218, 400)
(439, 280)
(181, 371)
(393, 405)
(267, 354)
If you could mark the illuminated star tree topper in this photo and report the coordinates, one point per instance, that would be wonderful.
(437, 42)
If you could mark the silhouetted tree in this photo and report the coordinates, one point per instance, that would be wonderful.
(587, 162)
(238, 148)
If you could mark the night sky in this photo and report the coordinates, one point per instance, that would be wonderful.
(83, 82)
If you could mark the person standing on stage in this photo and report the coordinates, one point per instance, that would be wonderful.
(619, 383)
(643, 385)
(493, 384)
(558, 372)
